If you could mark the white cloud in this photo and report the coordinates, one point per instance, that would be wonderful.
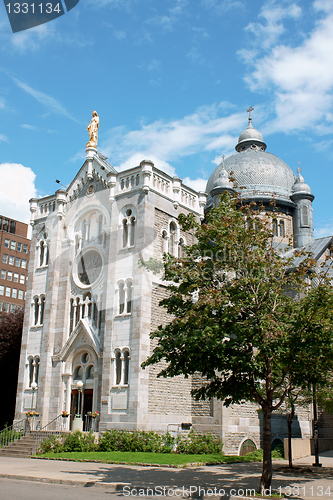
(204, 130)
(49, 102)
(301, 76)
(196, 184)
(324, 230)
(168, 21)
(16, 188)
(28, 127)
(3, 138)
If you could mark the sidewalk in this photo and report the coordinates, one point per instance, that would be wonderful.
(215, 481)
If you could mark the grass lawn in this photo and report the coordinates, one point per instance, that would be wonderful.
(150, 458)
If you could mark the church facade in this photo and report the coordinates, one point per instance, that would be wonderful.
(90, 306)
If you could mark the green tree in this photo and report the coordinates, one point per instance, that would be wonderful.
(235, 319)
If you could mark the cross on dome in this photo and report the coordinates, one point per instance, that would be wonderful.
(299, 170)
(250, 111)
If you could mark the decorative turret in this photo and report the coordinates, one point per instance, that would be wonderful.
(221, 183)
(303, 216)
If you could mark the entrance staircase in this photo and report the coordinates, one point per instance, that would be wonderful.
(20, 441)
(23, 447)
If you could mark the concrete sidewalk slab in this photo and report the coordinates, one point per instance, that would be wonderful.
(218, 481)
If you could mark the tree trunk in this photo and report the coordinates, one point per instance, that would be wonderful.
(289, 422)
(266, 476)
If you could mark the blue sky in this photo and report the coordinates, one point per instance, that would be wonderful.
(171, 81)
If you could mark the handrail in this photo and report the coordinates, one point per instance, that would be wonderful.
(14, 432)
(54, 428)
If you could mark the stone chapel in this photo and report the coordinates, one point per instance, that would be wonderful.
(90, 307)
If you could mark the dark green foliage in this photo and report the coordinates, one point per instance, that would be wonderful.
(199, 443)
(137, 441)
(76, 441)
(10, 346)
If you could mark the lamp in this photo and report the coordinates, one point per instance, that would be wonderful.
(79, 385)
(34, 388)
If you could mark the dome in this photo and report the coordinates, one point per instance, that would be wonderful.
(250, 136)
(262, 174)
(300, 185)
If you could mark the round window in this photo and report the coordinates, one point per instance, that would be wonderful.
(89, 267)
(85, 357)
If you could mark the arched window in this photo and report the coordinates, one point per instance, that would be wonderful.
(305, 216)
(41, 252)
(173, 238)
(42, 308)
(37, 362)
(129, 287)
(31, 370)
(275, 228)
(121, 297)
(128, 222)
(121, 366)
(125, 296)
(78, 373)
(118, 367)
(126, 366)
(282, 229)
(71, 317)
(90, 372)
(36, 310)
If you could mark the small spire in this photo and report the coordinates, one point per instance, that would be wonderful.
(223, 156)
(299, 170)
(250, 111)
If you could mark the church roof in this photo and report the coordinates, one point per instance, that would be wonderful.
(317, 247)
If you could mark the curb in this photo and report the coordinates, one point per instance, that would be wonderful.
(114, 487)
(111, 462)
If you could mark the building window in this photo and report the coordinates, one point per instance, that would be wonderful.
(24, 264)
(275, 228)
(13, 245)
(5, 258)
(19, 246)
(9, 276)
(78, 373)
(173, 238)
(22, 279)
(1, 306)
(165, 242)
(121, 366)
(42, 308)
(3, 274)
(18, 262)
(25, 248)
(16, 277)
(12, 227)
(305, 216)
(14, 293)
(6, 307)
(33, 366)
(125, 296)
(7, 242)
(8, 291)
(36, 310)
(5, 225)
(2, 290)
(20, 294)
(11, 260)
(128, 227)
(282, 229)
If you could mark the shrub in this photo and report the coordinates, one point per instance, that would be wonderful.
(199, 443)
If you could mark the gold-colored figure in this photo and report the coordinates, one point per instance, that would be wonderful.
(93, 131)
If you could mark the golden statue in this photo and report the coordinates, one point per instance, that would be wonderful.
(93, 131)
